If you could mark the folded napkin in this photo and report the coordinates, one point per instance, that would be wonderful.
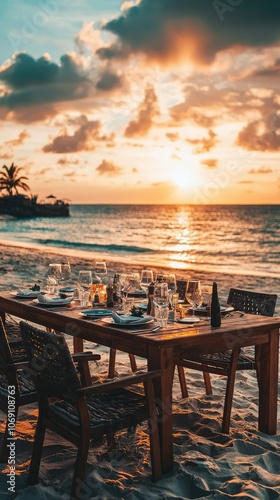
(44, 299)
(27, 292)
(126, 319)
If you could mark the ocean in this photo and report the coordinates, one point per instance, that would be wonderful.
(239, 240)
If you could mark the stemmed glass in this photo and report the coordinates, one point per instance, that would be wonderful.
(100, 269)
(146, 279)
(53, 277)
(132, 283)
(84, 284)
(65, 271)
(206, 294)
(193, 293)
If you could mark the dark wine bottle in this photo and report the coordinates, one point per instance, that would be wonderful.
(151, 306)
(215, 307)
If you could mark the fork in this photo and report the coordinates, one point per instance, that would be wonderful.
(151, 330)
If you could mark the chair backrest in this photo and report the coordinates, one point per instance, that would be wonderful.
(50, 362)
(6, 358)
(252, 302)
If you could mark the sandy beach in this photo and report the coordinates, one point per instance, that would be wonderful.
(208, 464)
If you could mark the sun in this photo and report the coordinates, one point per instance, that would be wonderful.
(181, 178)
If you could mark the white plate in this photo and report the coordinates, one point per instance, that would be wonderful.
(31, 295)
(53, 302)
(67, 289)
(95, 313)
(189, 319)
(145, 320)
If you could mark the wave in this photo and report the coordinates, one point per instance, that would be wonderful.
(94, 246)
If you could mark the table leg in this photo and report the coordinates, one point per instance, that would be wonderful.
(78, 345)
(163, 359)
(268, 383)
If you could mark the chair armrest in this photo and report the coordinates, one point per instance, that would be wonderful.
(117, 384)
(85, 356)
(19, 365)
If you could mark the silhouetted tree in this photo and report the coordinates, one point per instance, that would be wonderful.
(11, 180)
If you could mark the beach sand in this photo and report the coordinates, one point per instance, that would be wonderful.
(208, 464)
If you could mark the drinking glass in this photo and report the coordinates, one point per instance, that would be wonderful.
(65, 271)
(161, 301)
(131, 283)
(206, 294)
(53, 277)
(146, 279)
(54, 270)
(84, 284)
(193, 293)
(100, 269)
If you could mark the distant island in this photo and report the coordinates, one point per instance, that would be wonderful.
(22, 206)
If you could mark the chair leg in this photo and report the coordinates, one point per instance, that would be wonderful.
(229, 390)
(132, 362)
(110, 439)
(207, 383)
(4, 449)
(182, 380)
(37, 452)
(79, 489)
(154, 432)
(112, 362)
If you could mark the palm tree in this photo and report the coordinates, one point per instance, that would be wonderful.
(11, 181)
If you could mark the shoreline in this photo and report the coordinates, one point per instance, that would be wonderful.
(21, 266)
(140, 261)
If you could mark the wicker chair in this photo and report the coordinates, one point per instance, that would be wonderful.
(80, 414)
(12, 374)
(226, 363)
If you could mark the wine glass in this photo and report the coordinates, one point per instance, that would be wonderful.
(84, 284)
(65, 271)
(132, 283)
(100, 269)
(206, 294)
(170, 279)
(193, 293)
(53, 277)
(146, 279)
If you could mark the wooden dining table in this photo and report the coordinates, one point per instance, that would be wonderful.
(165, 347)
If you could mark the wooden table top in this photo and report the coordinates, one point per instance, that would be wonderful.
(247, 329)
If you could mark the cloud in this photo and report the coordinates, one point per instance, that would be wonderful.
(272, 71)
(109, 169)
(19, 140)
(83, 139)
(7, 148)
(147, 111)
(25, 71)
(261, 170)
(205, 144)
(261, 135)
(109, 81)
(38, 84)
(210, 163)
(67, 161)
(167, 30)
(172, 136)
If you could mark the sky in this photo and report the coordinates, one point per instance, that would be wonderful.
(142, 101)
